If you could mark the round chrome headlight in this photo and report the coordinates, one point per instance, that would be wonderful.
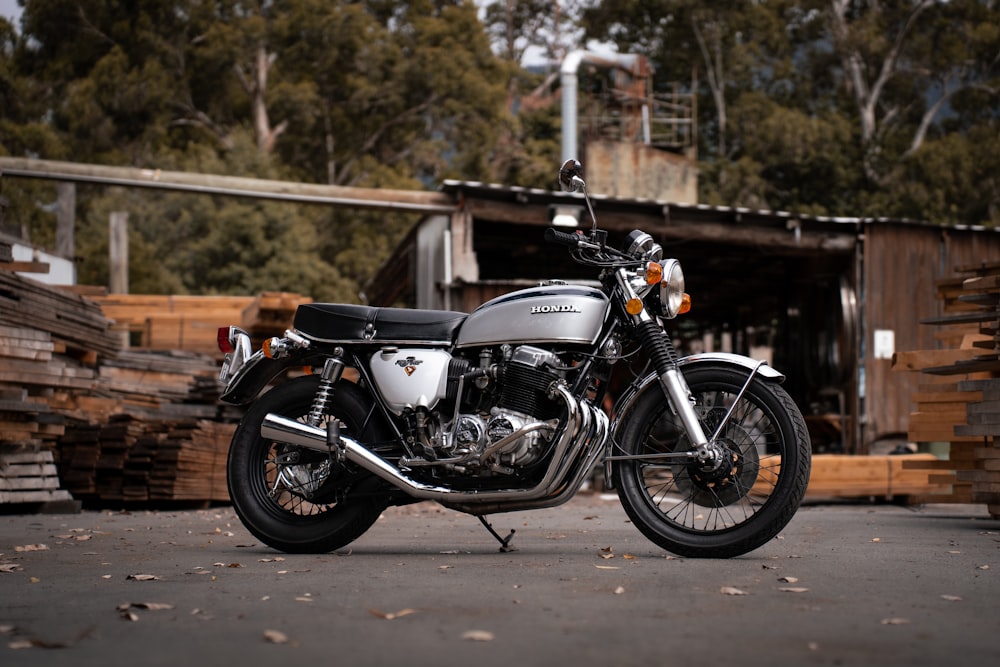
(671, 288)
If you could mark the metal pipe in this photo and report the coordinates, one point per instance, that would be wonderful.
(567, 449)
(568, 83)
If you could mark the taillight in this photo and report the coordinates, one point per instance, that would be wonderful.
(224, 341)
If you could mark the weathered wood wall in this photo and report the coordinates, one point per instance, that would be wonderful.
(902, 265)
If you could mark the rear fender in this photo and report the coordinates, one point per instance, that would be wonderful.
(256, 373)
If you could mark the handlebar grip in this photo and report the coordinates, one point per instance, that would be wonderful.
(562, 238)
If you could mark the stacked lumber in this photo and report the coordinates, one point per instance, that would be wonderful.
(76, 323)
(28, 475)
(958, 399)
(894, 475)
(86, 418)
(169, 322)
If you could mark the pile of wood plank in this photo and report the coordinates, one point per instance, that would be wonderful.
(80, 415)
(28, 475)
(165, 322)
(958, 399)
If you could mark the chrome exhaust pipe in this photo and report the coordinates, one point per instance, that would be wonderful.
(576, 432)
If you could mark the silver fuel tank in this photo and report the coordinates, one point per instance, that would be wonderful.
(545, 314)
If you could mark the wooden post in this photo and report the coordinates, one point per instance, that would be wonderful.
(118, 253)
(66, 220)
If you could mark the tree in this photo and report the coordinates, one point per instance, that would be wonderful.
(904, 62)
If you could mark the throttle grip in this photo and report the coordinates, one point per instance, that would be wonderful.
(562, 238)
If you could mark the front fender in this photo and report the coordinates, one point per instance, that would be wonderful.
(625, 402)
(255, 374)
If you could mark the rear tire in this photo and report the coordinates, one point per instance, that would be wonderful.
(736, 508)
(311, 506)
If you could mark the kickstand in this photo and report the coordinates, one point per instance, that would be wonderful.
(504, 541)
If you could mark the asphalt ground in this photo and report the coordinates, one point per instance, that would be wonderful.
(860, 584)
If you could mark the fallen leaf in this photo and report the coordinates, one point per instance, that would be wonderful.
(606, 556)
(142, 577)
(20, 644)
(478, 635)
(629, 557)
(276, 559)
(729, 590)
(789, 580)
(983, 567)
(951, 598)
(619, 590)
(8, 567)
(895, 621)
(31, 547)
(389, 616)
(793, 589)
(6, 629)
(152, 606)
(607, 567)
(275, 637)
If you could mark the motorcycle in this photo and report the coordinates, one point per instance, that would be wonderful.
(499, 410)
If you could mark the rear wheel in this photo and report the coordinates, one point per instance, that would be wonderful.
(295, 499)
(735, 505)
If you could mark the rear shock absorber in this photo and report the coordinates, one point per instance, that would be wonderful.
(332, 370)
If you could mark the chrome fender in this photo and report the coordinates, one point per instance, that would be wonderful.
(627, 400)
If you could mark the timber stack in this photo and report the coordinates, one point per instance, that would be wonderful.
(86, 418)
(959, 402)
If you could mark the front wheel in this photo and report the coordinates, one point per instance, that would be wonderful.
(739, 503)
(298, 500)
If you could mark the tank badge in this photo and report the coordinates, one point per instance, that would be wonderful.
(409, 365)
(544, 310)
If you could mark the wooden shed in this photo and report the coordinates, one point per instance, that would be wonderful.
(827, 300)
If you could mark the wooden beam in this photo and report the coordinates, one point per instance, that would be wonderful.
(415, 201)
(751, 235)
(25, 267)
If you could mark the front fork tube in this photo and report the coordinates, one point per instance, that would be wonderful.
(661, 352)
(677, 391)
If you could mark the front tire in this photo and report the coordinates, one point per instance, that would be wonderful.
(736, 507)
(293, 499)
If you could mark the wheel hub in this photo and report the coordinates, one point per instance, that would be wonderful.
(724, 477)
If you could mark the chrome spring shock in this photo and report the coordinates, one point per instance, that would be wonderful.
(332, 369)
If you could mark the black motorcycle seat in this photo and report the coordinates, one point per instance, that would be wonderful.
(344, 322)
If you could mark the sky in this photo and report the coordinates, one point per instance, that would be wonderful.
(10, 10)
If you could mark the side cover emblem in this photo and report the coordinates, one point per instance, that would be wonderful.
(409, 365)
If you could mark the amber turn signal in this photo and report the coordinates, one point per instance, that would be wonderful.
(654, 273)
(633, 306)
(685, 304)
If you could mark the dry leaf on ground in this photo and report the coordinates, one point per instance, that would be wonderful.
(730, 590)
(275, 637)
(389, 616)
(478, 635)
(895, 621)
